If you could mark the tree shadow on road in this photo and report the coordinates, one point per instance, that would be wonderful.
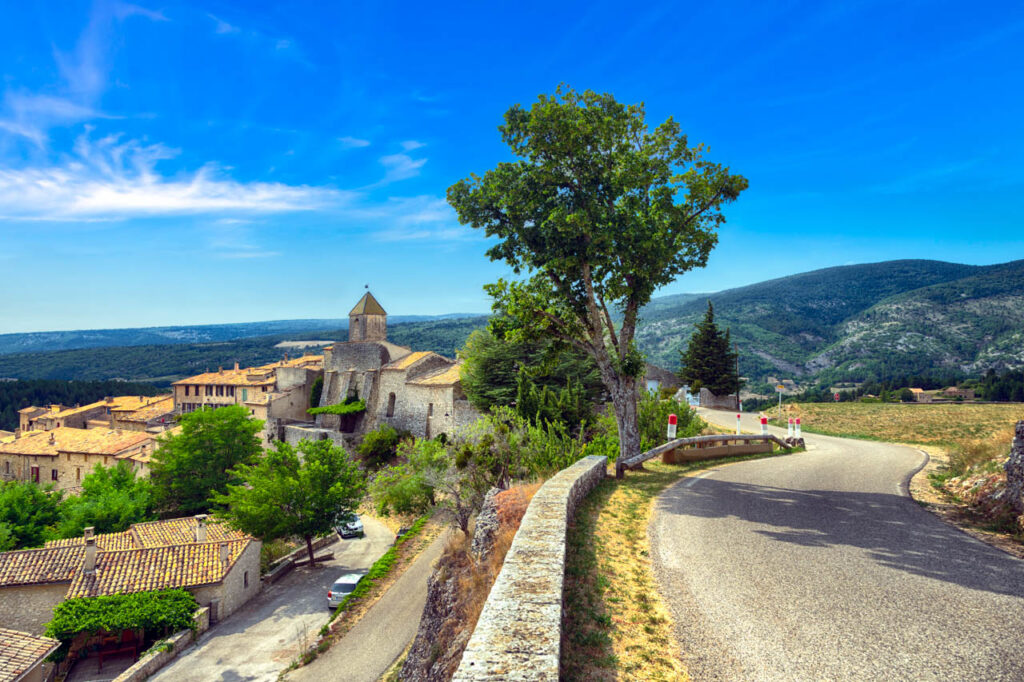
(892, 529)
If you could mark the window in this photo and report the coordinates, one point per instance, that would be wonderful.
(231, 391)
(53, 474)
(34, 474)
(209, 390)
(245, 394)
(245, 579)
(78, 473)
(186, 389)
(7, 467)
(430, 410)
(391, 405)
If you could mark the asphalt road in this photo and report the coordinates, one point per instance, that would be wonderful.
(266, 635)
(366, 652)
(819, 566)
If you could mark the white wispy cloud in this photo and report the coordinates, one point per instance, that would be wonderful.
(221, 26)
(410, 145)
(84, 79)
(114, 179)
(349, 142)
(400, 167)
(412, 219)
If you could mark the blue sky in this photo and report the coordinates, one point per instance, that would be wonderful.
(181, 163)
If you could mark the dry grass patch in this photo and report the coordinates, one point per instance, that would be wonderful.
(945, 425)
(615, 625)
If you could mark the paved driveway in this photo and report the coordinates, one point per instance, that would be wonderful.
(265, 636)
(819, 566)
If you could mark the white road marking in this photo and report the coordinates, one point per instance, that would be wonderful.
(694, 479)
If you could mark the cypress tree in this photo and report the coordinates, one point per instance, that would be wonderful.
(709, 361)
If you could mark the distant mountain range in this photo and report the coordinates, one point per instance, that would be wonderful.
(857, 322)
(850, 323)
(159, 336)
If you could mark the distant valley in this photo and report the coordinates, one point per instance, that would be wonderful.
(849, 323)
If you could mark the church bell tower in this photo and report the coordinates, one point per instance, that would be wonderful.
(367, 321)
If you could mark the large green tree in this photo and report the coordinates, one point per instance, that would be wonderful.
(112, 499)
(191, 466)
(540, 379)
(302, 491)
(598, 211)
(29, 513)
(709, 360)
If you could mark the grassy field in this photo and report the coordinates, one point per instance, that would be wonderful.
(615, 626)
(942, 425)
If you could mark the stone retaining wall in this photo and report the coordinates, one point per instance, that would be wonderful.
(519, 633)
(154, 659)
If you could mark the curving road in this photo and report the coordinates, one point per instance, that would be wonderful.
(819, 566)
(263, 637)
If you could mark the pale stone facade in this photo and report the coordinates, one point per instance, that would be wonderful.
(277, 394)
(63, 456)
(418, 392)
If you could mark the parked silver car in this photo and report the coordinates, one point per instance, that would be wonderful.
(351, 527)
(342, 587)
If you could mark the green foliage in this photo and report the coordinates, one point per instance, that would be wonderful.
(189, 468)
(7, 540)
(601, 211)
(906, 395)
(29, 513)
(653, 419)
(316, 391)
(158, 613)
(407, 488)
(112, 499)
(536, 376)
(709, 360)
(1007, 387)
(379, 445)
(284, 495)
(347, 407)
(380, 568)
(14, 395)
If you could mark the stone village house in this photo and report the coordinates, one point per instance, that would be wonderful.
(64, 455)
(218, 565)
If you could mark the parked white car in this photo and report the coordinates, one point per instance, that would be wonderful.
(342, 587)
(351, 527)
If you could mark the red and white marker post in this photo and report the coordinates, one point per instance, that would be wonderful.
(764, 426)
(737, 425)
(789, 428)
(798, 427)
(672, 423)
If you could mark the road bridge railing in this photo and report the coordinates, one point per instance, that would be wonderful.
(706, 447)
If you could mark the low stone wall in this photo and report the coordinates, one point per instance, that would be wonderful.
(286, 564)
(153, 659)
(519, 633)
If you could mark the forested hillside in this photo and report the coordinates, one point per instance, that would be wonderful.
(859, 322)
(162, 364)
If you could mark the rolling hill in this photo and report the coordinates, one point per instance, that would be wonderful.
(861, 321)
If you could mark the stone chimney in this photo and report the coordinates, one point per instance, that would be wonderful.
(109, 399)
(225, 554)
(53, 439)
(201, 527)
(90, 551)
(220, 370)
(236, 365)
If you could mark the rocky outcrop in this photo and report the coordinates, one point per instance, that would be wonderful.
(1015, 470)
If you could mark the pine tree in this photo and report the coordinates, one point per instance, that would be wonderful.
(709, 361)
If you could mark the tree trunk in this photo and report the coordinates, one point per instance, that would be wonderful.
(309, 549)
(624, 400)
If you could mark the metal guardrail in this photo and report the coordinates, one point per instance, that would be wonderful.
(634, 462)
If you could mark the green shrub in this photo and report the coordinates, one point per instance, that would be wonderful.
(344, 408)
(379, 445)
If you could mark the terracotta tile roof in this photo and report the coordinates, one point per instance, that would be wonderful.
(104, 541)
(181, 531)
(83, 441)
(43, 565)
(32, 409)
(231, 377)
(156, 568)
(408, 361)
(156, 408)
(444, 377)
(20, 652)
